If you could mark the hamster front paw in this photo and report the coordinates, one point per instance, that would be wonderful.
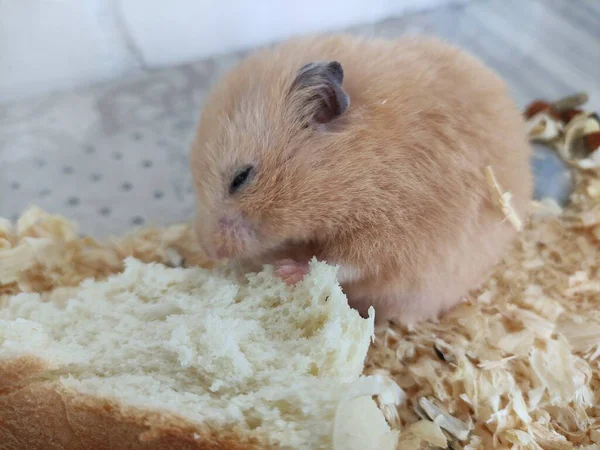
(290, 271)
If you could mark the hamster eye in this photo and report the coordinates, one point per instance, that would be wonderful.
(240, 178)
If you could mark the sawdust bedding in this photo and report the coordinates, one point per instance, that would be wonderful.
(516, 366)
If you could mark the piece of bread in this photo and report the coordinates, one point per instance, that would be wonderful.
(172, 358)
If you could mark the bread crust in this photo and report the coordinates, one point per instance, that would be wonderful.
(44, 415)
(17, 372)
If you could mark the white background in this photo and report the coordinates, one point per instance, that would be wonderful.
(48, 45)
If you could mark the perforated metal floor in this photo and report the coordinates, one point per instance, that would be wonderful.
(111, 157)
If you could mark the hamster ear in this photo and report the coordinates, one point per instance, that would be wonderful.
(318, 89)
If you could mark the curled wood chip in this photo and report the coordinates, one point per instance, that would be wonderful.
(591, 162)
(580, 126)
(444, 351)
(543, 127)
(574, 136)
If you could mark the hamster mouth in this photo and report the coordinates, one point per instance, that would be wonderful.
(233, 238)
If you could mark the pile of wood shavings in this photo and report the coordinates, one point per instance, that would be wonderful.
(517, 366)
(45, 253)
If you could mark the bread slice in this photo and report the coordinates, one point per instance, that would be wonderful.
(173, 358)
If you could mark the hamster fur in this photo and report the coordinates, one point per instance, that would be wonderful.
(368, 154)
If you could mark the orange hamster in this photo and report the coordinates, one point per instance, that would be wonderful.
(366, 153)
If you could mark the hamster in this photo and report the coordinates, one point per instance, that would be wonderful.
(366, 153)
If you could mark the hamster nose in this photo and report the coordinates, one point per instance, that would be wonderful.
(232, 237)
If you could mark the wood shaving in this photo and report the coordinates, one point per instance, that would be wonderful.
(517, 365)
(420, 432)
(520, 359)
(502, 199)
(452, 425)
(565, 128)
(43, 252)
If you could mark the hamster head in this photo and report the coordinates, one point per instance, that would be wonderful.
(263, 155)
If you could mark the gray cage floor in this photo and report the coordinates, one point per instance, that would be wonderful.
(115, 156)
